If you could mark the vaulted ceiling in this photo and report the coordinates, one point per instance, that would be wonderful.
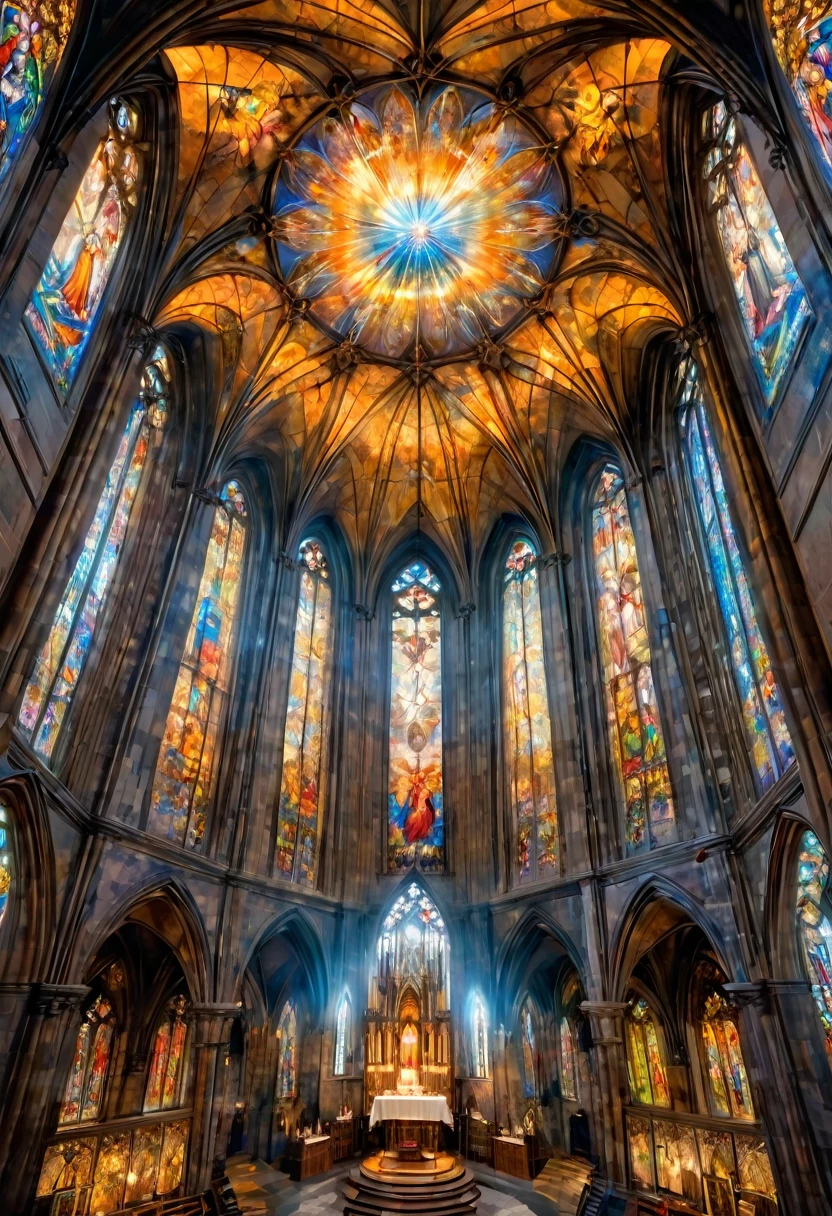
(539, 129)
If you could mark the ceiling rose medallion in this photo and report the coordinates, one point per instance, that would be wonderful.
(418, 227)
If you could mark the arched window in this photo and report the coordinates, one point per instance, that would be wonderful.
(6, 859)
(802, 37)
(32, 40)
(730, 1092)
(184, 779)
(343, 1031)
(53, 683)
(528, 1049)
(304, 740)
(648, 1078)
(65, 305)
(84, 1093)
(771, 296)
(632, 709)
(814, 926)
(479, 1038)
(167, 1062)
(287, 1029)
(568, 1062)
(528, 731)
(765, 722)
(416, 826)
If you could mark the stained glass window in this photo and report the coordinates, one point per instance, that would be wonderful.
(342, 1036)
(66, 303)
(528, 1049)
(801, 31)
(54, 680)
(730, 1092)
(568, 1062)
(772, 299)
(167, 1060)
(33, 34)
(814, 927)
(480, 1038)
(6, 859)
(84, 1092)
(184, 779)
(304, 740)
(632, 708)
(416, 826)
(287, 1030)
(645, 1065)
(765, 722)
(528, 731)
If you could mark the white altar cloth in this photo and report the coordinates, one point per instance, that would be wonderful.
(427, 1108)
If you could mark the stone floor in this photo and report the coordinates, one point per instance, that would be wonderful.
(324, 1199)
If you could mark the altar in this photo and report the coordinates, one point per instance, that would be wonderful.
(411, 1119)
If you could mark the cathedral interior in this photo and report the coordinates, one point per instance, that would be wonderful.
(416, 607)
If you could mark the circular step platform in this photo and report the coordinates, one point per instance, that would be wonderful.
(438, 1184)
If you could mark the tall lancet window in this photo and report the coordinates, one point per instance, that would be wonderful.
(632, 708)
(814, 927)
(32, 40)
(184, 780)
(479, 1035)
(287, 1031)
(528, 732)
(57, 671)
(416, 826)
(343, 1031)
(771, 296)
(765, 723)
(299, 813)
(802, 37)
(66, 303)
(527, 1047)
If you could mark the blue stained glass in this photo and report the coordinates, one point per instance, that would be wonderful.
(765, 722)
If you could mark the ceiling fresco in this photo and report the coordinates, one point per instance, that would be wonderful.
(432, 249)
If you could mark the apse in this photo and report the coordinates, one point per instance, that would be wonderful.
(415, 628)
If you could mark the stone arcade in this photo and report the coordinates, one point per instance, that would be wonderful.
(416, 627)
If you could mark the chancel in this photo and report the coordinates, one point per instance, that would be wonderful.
(416, 607)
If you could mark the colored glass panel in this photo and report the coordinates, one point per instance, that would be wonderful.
(33, 34)
(480, 1037)
(416, 827)
(144, 1164)
(185, 772)
(726, 1071)
(648, 1076)
(632, 709)
(772, 299)
(755, 1173)
(528, 732)
(801, 31)
(391, 219)
(164, 1078)
(172, 1159)
(814, 927)
(84, 1093)
(110, 1173)
(527, 1045)
(299, 813)
(342, 1036)
(763, 716)
(568, 1062)
(6, 860)
(54, 681)
(677, 1160)
(65, 1165)
(66, 302)
(287, 1030)
(414, 943)
(641, 1153)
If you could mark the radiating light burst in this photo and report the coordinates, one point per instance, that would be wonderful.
(417, 225)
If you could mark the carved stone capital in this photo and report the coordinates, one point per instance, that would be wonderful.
(606, 1019)
(363, 612)
(465, 611)
(49, 1000)
(747, 996)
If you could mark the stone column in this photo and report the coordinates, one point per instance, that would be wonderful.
(39, 1063)
(212, 1028)
(606, 1020)
(776, 1093)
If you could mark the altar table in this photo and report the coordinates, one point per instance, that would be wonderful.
(415, 1108)
(411, 1119)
